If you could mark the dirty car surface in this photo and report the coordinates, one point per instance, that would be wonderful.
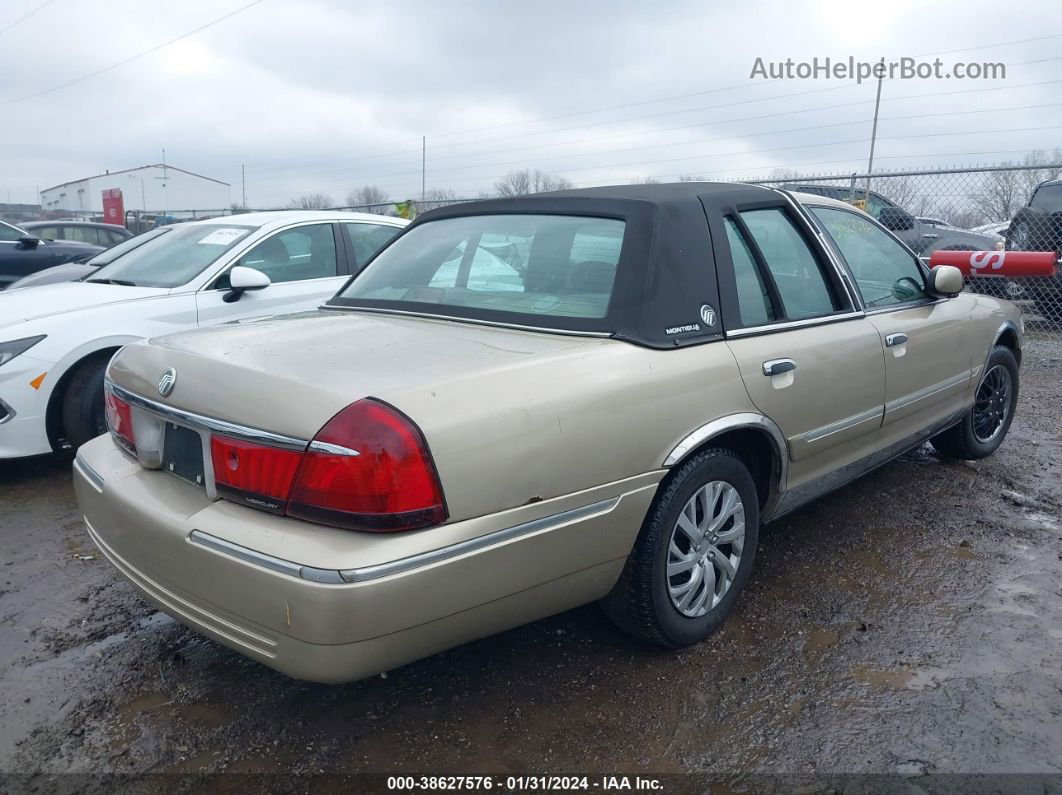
(522, 406)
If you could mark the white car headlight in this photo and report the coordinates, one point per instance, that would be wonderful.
(9, 350)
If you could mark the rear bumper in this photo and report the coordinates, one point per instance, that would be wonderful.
(191, 558)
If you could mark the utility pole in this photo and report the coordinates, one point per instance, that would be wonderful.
(243, 181)
(423, 165)
(873, 135)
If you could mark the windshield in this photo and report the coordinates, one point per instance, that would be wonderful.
(9, 232)
(174, 258)
(1048, 198)
(496, 267)
(113, 253)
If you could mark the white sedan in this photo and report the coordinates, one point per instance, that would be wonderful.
(56, 340)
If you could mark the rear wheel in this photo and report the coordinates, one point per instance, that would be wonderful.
(984, 427)
(693, 555)
(82, 408)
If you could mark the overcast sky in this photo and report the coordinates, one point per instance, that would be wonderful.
(322, 95)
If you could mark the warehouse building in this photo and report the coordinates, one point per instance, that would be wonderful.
(154, 188)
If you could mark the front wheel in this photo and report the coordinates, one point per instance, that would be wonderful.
(984, 427)
(693, 554)
(82, 409)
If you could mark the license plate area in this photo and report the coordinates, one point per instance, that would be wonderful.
(182, 454)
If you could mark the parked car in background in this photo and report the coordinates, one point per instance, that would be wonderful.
(998, 228)
(1038, 227)
(56, 340)
(72, 271)
(527, 404)
(923, 238)
(105, 235)
(23, 253)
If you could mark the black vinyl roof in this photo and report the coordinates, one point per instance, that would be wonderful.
(666, 278)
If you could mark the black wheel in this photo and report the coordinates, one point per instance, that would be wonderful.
(1049, 303)
(693, 554)
(984, 427)
(1030, 231)
(82, 410)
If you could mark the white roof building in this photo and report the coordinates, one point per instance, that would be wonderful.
(155, 188)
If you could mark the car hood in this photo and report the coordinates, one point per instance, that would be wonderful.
(290, 374)
(57, 299)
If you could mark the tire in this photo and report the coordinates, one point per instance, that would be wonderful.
(968, 439)
(641, 601)
(83, 413)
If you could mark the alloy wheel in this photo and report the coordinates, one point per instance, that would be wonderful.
(992, 406)
(705, 548)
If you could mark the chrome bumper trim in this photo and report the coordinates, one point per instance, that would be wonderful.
(201, 422)
(348, 576)
(475, 544)
(90, 474)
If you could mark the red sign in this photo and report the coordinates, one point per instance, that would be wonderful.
(113, 207)
(997, 263)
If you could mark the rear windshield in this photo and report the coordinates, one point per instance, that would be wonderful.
(497, 267)
(1048, 198)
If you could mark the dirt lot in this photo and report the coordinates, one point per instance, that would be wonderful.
(910, 624)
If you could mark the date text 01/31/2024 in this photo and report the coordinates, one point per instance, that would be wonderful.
(524, 783)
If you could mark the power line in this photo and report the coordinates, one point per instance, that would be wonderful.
(131, 58)
(26, 16)
(662, 99)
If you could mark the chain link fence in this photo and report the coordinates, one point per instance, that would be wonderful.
(1017, 208)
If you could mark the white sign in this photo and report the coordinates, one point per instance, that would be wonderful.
(223, 237)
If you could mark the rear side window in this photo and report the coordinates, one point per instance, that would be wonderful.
(367, 239)
(754, 302)
(47, 232)
(796, 272)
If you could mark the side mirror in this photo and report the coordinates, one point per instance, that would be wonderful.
(242, 279)
(29, 241)
(945, 280)
(895, 219)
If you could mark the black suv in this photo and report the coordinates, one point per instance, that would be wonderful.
(22, 253)
(1038, 227)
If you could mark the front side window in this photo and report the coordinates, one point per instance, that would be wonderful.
(174, 258)
(550, 265)
(47, 233)
(305, 252)
(367, 239)
(885, 272)
(82, 234)
(801, 284)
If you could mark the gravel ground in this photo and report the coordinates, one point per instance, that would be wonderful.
(910, 624)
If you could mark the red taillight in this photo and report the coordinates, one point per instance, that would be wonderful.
(253, 473)
(120, 421)
(368, 468)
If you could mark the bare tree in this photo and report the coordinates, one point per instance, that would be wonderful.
(373, 198)
(436, 197)
(526, 181)
(645, 181)
(311, 201)
(692, 178)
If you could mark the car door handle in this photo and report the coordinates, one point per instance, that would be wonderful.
(895, 339)
(928, 236)
(778, 366)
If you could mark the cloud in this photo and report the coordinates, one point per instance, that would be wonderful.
(325, 96)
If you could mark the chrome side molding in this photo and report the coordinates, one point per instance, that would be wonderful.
(363, 574)
(90, 474)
